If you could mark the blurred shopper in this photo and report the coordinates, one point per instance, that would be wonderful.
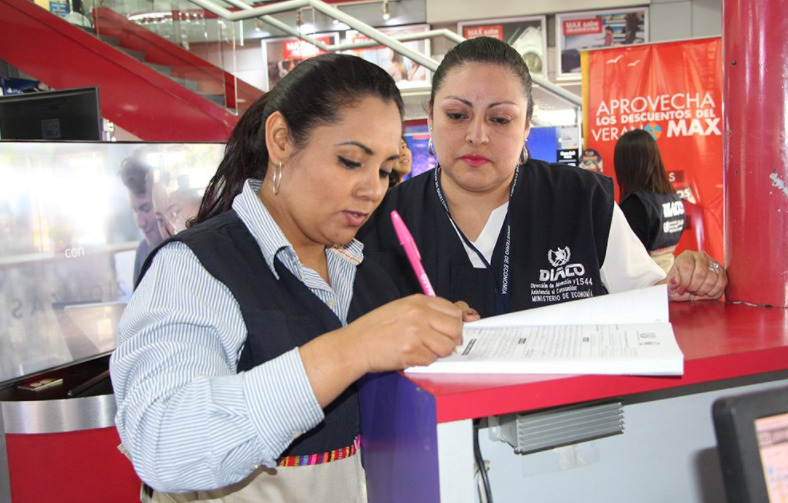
(651, 205)
(136, 176)
(175, 203)
(403, 165)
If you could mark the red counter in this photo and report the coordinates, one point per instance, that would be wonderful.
(420, 427)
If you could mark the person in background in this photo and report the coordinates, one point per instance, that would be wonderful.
(238, 355)
(608, 39)
(135, 175)
(649, 202)
(505, 232)
(403, 165)
(175, 203)
(417, 72)
(397, 68)
(633, 21)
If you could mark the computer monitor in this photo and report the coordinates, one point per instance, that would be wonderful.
(752, 442)
(68, 114)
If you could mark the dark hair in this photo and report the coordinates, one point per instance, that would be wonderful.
(490, 51)
(136, 176)
(638, 164)
(313, 94)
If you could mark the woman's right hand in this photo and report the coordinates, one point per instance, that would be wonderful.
(404, 333)
(413, 331)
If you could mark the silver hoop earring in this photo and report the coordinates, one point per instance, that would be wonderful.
(524, 155)
(430, 147)
(276, 178)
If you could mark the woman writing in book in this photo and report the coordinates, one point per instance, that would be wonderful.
(505, 232)
(239, 352)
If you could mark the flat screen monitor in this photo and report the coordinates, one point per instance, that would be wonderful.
(68, 114)
(752, 443)
(75, 219)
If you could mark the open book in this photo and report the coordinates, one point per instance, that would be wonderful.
(623, 333)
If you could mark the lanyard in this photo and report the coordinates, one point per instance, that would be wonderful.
(502, 287)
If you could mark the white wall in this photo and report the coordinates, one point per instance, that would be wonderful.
(682, 19)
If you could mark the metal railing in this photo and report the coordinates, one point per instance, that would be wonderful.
(377, 37)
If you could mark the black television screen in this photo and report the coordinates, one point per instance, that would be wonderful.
(752, 442)
(68, 114)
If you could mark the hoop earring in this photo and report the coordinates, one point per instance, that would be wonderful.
(277, 178)
(430, 145)
(524, 155)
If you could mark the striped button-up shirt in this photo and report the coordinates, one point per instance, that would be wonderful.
(188, 419)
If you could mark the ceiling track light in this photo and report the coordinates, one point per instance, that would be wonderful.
(299, 18)
(385, 9)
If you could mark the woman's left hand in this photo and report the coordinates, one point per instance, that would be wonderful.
(468, 313)
(696, 276)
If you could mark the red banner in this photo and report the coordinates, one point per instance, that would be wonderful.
(674, 91)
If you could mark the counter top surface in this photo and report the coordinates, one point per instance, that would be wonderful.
(719, 340)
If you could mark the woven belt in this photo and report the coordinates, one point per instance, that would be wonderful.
(319, 459)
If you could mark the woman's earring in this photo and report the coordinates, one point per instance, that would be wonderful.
(524, 155)
(430, 145)
(277, 178)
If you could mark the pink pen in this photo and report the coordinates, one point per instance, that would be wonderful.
(406, 240)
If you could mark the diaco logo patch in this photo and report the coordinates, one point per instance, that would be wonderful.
(559, 257)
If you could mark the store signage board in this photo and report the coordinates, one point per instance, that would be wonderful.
(526, 34)
(578, 31)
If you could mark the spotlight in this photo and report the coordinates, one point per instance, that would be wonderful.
(385, 8)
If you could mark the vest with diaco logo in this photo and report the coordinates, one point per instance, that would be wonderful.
(282, 314)
(665, 214)
(560, 220)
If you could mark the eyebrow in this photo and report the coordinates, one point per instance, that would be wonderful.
(360, 145)
(491, 105)
(366, 149)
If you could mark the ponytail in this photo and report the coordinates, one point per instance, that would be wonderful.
(245, 156)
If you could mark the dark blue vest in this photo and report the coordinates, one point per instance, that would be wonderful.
(664, 218)
(283, 314)
(560, 220)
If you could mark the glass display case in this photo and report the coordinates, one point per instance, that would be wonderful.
(76, 219)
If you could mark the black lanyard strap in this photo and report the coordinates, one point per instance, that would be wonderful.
(502, 286)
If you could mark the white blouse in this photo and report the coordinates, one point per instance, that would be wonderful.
(627, 265)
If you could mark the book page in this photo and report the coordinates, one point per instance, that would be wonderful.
(643, 349)
(645, 305)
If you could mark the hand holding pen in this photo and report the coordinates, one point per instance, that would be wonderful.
(407, 242)
(412, 252)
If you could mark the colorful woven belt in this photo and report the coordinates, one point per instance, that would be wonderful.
(319, 459)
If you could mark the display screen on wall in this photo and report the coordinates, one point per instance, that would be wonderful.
(283, 54)
(526, 34)
(578, 31)
(406, 72)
